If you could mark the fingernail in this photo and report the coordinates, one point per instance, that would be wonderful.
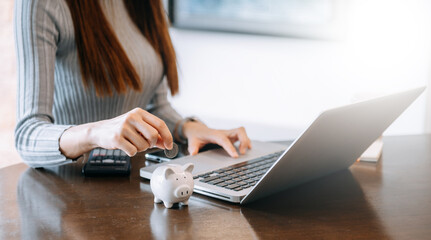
(170, 145)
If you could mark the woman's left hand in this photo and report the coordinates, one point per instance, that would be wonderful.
(198, 135)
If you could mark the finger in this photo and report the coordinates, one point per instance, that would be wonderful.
(148, 132)
(232, 134)
(233, 137)
(242, 148)
(243, 140)
(160, 143)
(127, 147)
(161, 128)
(194, 146)
(223, 141)
(241, 135)
(140, 143)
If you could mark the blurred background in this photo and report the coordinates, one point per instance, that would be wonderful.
(274, 65)
(7, 84)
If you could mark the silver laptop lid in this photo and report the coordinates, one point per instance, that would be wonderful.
(333, 142)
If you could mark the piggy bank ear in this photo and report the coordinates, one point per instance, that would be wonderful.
(188, 167)
(168, 172)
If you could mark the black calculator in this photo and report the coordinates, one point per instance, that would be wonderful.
(103, 162)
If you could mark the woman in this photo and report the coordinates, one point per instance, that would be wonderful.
(87, 69)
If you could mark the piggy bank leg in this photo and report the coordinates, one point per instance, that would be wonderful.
(157, 200)
(186, 202)
(168, 204)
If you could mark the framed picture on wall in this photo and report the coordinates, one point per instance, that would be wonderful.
(322, 19)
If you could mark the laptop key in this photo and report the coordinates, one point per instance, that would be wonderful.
(222, 174)
(232, 186)
(236, 179)
(221, 184)
(251, 175)
(233, 175)
(214, 182)
(226, 178)
(241, 183)
(230, 182)
(207, 179)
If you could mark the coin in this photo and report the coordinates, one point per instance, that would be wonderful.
(173, 152)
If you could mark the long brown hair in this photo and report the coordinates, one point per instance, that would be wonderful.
(103, 61)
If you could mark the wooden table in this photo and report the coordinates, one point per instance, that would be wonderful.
(388, 200)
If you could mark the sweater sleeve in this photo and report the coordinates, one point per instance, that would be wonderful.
(160, 106)
(36, 38)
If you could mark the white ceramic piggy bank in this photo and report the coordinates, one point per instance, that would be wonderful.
(172, 183)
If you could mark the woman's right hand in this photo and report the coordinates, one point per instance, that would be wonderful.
(132, 132)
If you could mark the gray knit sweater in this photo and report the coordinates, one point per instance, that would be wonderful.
(51, 95)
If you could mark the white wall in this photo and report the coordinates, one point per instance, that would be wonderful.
(7, 85)
(276, 86)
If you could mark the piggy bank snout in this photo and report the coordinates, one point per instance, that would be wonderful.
(183, 191)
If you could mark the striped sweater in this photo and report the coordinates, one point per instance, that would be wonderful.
(51, 96)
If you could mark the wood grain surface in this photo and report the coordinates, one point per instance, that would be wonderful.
(387, 200)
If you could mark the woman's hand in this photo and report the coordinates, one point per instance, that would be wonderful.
(199, 135)
(132, 132)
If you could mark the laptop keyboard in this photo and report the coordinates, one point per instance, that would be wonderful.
(242, 175)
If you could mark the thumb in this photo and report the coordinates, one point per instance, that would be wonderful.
(193, 147)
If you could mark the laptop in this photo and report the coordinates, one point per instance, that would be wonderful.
(333, 142)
